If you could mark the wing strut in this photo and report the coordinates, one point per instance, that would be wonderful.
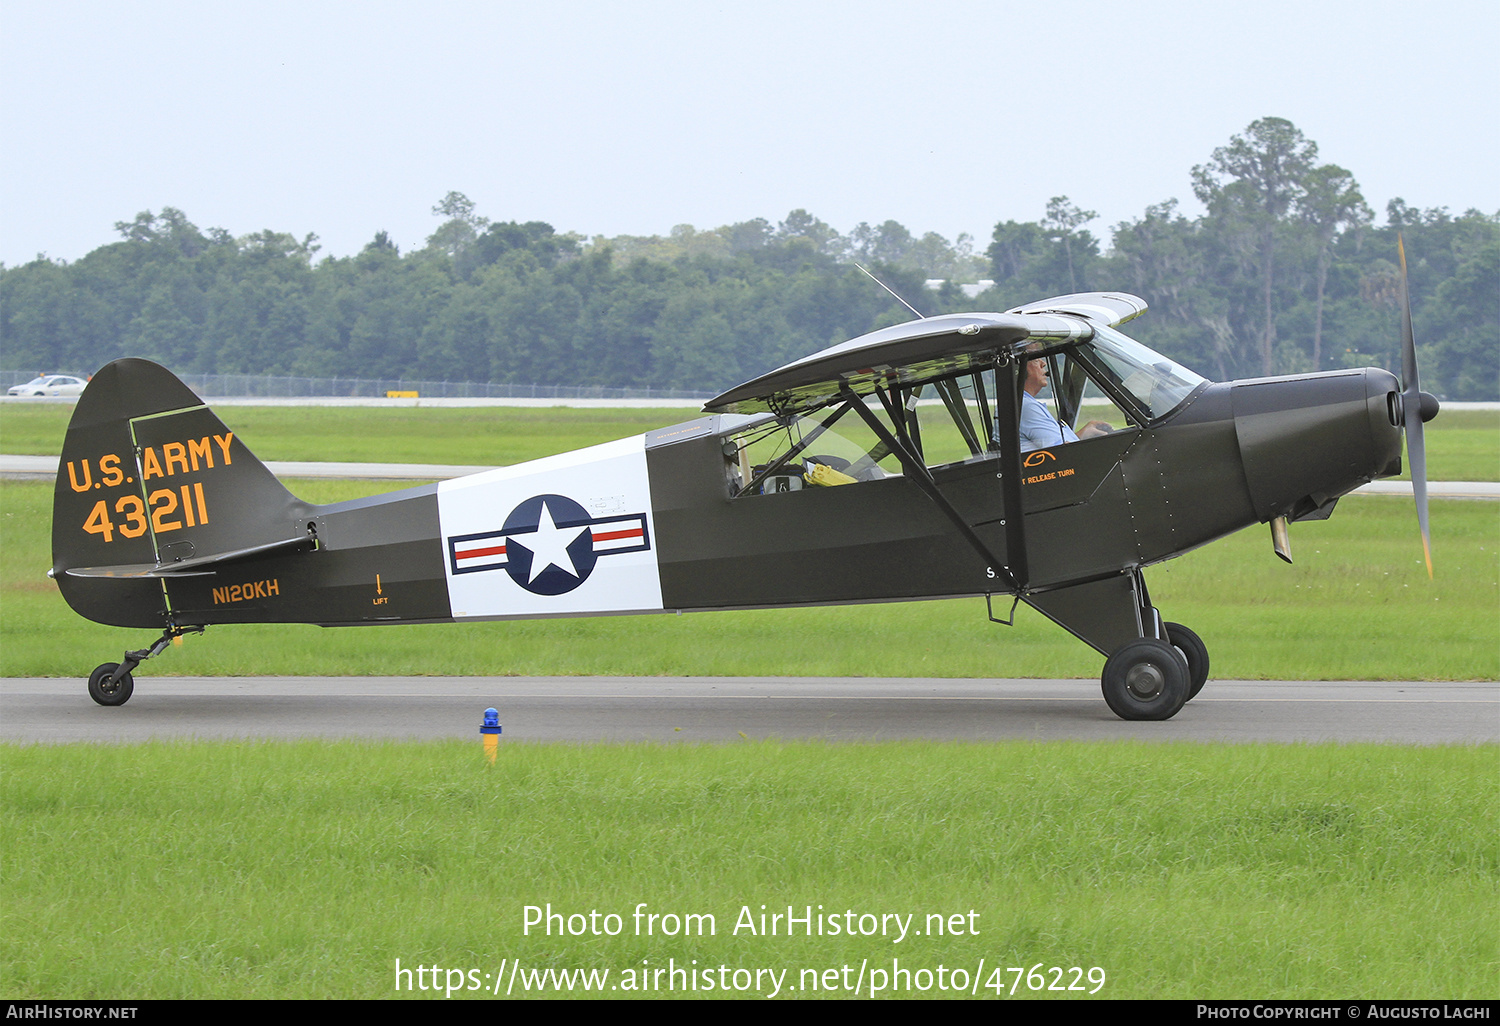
(916, 471)
(1008, 379)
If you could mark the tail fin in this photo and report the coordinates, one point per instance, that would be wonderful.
(151, 484)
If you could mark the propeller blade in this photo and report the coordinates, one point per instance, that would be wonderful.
(1416, 452)
(1408, 339)
(1411, 406)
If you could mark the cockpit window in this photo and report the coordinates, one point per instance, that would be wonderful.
(1095, 386)
(800, 451)
(1157, 384)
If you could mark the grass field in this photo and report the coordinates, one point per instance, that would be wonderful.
(1180, 871)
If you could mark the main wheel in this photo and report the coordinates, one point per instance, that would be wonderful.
(108, 686)
(1194, 651)
(1145, 679)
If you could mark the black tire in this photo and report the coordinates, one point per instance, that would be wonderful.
(1194, 651)
(1145, 679)
(108, 688)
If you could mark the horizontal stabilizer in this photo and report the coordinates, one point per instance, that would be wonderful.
(195, 566)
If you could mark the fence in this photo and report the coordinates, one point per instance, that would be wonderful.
(259, 385)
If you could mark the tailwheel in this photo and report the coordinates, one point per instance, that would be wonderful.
(108, 686)
(1145, 679)
(1194, 651)
(112, 684)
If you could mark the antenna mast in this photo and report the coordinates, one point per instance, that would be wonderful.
(892, 291)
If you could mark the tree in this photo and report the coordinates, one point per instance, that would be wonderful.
(1251, 186)
(460, 229)
(1013, 247)
(382, 243)
(1331, 201)
(747, 236)
(1062, 221)
(505, 237)
(1031, 259)
(800, 225)
(171, 233)
(1163, 257)
(890, 243)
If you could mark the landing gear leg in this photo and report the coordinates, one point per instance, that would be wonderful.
(112, 683)
(1145, 679)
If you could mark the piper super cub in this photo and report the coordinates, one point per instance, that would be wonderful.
(904, 464)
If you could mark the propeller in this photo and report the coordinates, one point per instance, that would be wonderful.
(1416, 407)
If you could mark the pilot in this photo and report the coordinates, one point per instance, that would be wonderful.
(1039, 429)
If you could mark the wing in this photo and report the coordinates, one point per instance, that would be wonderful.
(910, 354)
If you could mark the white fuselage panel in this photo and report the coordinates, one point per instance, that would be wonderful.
(562, 536)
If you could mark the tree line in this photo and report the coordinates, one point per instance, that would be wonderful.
(1285, 271)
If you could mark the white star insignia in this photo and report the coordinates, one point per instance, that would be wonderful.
(549, 545)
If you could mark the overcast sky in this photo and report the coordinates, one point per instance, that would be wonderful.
(346, 119)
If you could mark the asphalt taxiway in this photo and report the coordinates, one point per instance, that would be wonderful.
(728, 710)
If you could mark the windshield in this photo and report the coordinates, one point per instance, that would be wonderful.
(1155, 382)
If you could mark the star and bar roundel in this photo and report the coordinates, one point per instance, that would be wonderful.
(549, 544)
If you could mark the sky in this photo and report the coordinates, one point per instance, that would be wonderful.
(345, 119)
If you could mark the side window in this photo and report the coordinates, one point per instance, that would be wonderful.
(957, 419)
(1086, 407)
(1098, 413)
(805, 452)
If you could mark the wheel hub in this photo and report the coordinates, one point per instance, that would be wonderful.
(1144, 680)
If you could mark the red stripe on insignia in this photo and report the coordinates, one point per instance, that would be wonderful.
(498, 550)
(634, 532)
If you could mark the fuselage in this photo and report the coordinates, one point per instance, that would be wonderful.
(652, 523)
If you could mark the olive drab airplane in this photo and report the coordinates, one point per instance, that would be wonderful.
(888, 468)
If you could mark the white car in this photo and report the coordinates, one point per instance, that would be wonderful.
(51, 384)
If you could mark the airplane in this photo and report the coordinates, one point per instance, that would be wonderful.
(891, 467)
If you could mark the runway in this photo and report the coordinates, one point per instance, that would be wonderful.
(727, 710)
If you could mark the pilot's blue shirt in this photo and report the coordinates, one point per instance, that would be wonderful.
(1039, 428)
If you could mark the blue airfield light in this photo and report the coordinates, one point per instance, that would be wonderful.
(490, 732)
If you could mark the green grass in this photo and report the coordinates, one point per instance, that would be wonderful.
(256, 870)
(1462, 445)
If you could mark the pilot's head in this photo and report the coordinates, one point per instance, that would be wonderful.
(1036, 369)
